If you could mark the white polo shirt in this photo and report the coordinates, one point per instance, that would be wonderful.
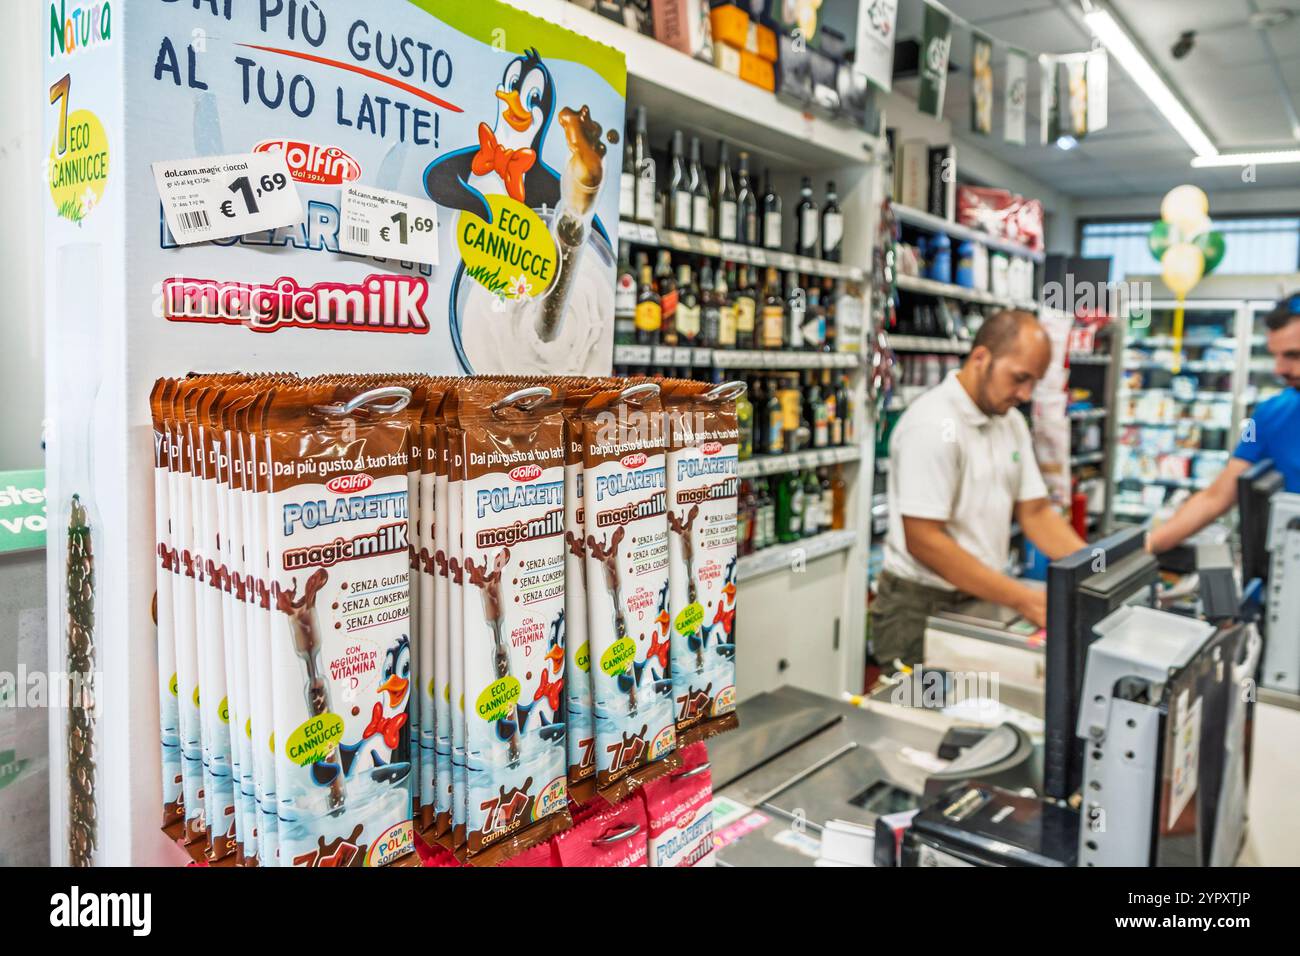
(950, 462)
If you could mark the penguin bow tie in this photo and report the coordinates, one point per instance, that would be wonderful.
(390, 727)
(510, 164)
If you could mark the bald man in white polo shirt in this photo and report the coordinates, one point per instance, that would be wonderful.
(962, 469)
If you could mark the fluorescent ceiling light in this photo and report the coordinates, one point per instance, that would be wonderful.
(1106, 29)
(1066, 142)
(1267, 158)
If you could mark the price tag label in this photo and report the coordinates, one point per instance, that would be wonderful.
(219, 197)
(663, 355)
(710, 247)
(377, 222)
(734, 252)
(682, 357)
(785, 261)
(674, 239)
(649, 235)
(808, 265)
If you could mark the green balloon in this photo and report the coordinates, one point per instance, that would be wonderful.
(1212, 247)
(1158, 239)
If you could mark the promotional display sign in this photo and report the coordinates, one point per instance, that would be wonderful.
(875, 50)
(1016, 97)
(199, 159)
(981, 86)
(935, 49)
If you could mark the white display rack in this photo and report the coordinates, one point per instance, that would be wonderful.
(663, 356)
(700, 97)
(1088, 458)
(1204, 396)
(734, 252)
(926, 343)
(1088, 414)
(954, 230)
(959, 292)
(787, 556)
(764, 465)
(1088, 358)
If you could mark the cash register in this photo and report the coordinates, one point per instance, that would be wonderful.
(1270, 571)
(1146, 748)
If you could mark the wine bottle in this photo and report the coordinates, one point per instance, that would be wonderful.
(666, 286)
(700, 205)
(688, 308)
(746, 205)
(645, 171)
(726, 213)
(806, 243)
(680, 200)
(832, 226)
(624, 300)
(771, 215)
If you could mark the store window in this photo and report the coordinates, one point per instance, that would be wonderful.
(1254, 246)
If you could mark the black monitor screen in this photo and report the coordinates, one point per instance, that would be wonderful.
(1081, 590)
(1256, 485)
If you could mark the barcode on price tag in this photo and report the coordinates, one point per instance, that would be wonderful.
(389, 225)
(219, 197)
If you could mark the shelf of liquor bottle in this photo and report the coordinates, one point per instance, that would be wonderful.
(663, 356)
(1088, 358)
(954, 230)
(734, 252)
(948, 291)
(1088, 414)
(763, 465)
(702, 98)
(1087, 458)
(783, 557)
(927, 343)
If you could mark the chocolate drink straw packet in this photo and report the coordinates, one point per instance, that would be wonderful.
(425, 580)
(702, 488)
(340, 638)
(580, 731)
(444, 724)
(624, 501)
(257, 468)
(173, 808)
(512, 532)
(219, 779)
(184, 629)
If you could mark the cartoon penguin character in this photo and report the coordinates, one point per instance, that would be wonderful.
(508, 157)
(386, 728)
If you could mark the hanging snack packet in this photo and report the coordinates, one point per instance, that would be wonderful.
(624, 503)
(444, 725)
(173, 806)
(340, 654)
(512, 534)
(702, 487)
(580, 733)
(680, 811)
(424, 571)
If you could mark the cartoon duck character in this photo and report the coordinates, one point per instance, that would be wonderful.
(508, 157)
(384, 732)
(724, 620)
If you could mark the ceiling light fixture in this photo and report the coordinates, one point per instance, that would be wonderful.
(1266, 158)
(1066, 142)
(1107, 29)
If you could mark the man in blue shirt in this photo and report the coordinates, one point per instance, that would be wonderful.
(1273, 432)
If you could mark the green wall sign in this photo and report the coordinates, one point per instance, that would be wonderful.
(22, 510)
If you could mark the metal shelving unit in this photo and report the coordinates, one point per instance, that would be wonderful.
(961, 293)
(930, 223)
(1159, 420)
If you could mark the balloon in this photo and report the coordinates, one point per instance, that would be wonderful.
(1181, 267)
(1184, 206)
(1198, 227)
(1158, 239)
(1212, 248)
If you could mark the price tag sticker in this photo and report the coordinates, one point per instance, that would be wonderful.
(389, 225)
(785, 261)
(220, 197)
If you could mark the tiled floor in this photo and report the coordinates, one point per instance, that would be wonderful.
(1274, 835)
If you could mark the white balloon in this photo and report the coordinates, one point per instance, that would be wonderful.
(1181, 267)
(1184, 206)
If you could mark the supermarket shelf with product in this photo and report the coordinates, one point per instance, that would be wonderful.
(927, 343)
(663, 356)
(704, 99)
(923, 286)
(764, 465)
(700, 245)
(930, 223)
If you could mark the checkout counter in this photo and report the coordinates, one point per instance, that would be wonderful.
(1121, 739)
